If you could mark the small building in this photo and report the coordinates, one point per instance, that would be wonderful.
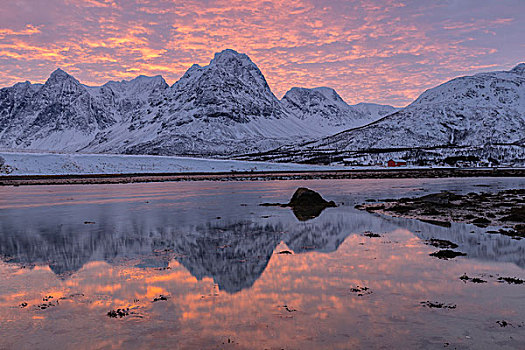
(396, 162)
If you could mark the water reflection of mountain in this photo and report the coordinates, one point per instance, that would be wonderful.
(236, 254)
(234, 251)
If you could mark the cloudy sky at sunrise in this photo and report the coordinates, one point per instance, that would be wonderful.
(385, 51)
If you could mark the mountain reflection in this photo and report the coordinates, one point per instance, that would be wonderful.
(234, 251)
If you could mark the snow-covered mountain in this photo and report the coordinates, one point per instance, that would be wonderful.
(374, 111)
(223, 108)
(484, 109)
(61, 114)
(324, 104)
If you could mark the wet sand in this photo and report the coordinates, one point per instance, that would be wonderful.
(17, 180)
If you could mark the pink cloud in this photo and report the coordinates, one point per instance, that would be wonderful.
(381, 51)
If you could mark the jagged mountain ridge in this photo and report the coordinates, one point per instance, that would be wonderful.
(60, 113)
(223, 108)
(325, 103)
(484, 109)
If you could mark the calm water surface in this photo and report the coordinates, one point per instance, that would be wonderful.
(70, 254)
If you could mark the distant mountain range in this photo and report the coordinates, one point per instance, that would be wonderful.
(223, 108)
(227, 109)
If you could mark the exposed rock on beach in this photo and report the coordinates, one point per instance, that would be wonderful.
(503, 212)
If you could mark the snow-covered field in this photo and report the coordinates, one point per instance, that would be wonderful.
(63, 164)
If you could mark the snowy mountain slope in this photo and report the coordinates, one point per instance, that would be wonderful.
(126, 99)
(13, 100)
(373, 110)
(324, 108)
(243, 94)
(487, 108)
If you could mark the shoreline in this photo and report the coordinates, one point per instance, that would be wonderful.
(87, 179)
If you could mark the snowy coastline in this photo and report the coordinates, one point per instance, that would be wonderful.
(23, 163)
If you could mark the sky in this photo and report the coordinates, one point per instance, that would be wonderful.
(383, 51)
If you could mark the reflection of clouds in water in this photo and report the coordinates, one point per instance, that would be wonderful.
(234, 252)
(223, 281)
(316, 285)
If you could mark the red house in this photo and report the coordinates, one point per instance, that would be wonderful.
(396, 162)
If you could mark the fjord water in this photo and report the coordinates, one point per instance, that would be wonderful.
(202, 265)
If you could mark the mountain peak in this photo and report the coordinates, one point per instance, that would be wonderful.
(322, 92)
(60, 75)
(194, 67)
(22, 84)
(324, 89)
(229, 55)
(519, 69)
(329, 93)
(144, 79)
(59, 72)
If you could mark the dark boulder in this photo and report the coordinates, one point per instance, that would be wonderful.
(307, 204)
(305, 197)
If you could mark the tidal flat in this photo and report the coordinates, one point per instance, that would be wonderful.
(198, 265)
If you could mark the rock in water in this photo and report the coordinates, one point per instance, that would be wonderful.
(307, 204)
(306, 197)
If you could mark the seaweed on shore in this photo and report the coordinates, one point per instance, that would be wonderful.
(466, 279)
(447, 254)
(437, 305)
(511, 280)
